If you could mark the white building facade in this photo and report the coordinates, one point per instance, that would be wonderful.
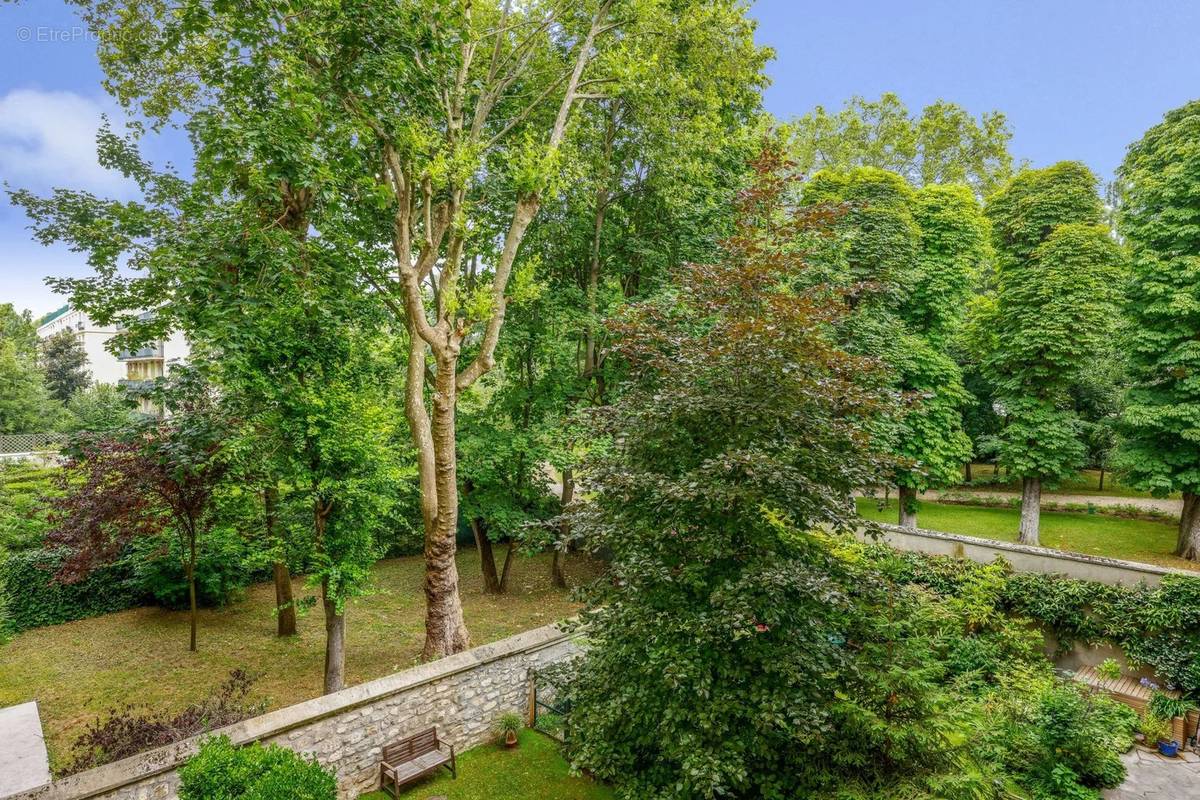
(104, 366)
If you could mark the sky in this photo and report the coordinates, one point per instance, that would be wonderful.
(1078, 79)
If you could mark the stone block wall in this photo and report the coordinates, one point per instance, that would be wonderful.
(461, 695)
(1026, 558)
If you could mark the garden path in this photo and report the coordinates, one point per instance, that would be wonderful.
(1153, 777)
(1165, 504)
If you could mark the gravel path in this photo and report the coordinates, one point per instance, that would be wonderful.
(1166, 505)
(1152, 777)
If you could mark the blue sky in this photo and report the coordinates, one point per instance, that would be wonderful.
(1078, 79)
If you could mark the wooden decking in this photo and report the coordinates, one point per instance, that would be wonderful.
(1127, 690)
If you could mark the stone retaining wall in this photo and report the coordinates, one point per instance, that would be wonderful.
(462, 695)
(1025, 558)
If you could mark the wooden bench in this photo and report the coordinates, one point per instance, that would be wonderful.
(407, 759)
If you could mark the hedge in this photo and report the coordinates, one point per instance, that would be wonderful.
(31, 598)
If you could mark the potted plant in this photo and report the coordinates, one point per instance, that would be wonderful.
(1157, 733)
(509, 725)
(1173, 709)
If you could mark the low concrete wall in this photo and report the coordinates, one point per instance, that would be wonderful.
(1028, 559)
(462, 695)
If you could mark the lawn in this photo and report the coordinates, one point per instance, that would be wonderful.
(534, 769)
(1084, 482)
(78, 670)
(1091, 534)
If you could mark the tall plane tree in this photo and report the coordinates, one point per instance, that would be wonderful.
(1059, 279)
(440, 126)
(1160, 219)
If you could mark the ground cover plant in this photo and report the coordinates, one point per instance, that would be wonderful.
(535, 768)
(1148, 541)
(135, 657)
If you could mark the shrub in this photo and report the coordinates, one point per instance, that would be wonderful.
(221, 771)
(156, 569)
(128, 731)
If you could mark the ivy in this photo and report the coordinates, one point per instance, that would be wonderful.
(1157, 627)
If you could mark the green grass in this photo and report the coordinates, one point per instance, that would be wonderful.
(534, 769)
(79, 670)
(1091, 534)
(1084, 482)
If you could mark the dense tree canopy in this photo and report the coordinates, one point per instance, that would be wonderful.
(1160, 220)
(425, 173)
(1060, 278)
(65, 364)
(908, 260)
(741, 411)
(945, 144)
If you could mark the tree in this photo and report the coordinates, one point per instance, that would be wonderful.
(945, 144)
(907, 286)
(25, 405)
(1160, 221)
(19, 329)
(468, 139)
(65, 364)
(741, 428)
(157, 474)
(1059, 281)
(100, 408)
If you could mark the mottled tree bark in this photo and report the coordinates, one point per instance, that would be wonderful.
(445, 629)
(967, 472)
(908, 507)
(335, 642)
(428, 244)
(1188, 545)
(1031, 507)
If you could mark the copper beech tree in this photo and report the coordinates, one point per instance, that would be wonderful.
(157, 476)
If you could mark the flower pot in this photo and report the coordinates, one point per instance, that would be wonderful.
(510, 739)
(1191, 723)
(1169, 749)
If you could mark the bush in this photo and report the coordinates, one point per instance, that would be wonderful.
(221, 771)
(128, 731)
(156, 570)
(30, 597)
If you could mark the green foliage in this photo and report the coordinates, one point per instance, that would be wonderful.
(1158, 627)
(1161, 223)
(1163, 706)
(156, 568)
(30, 595)
(738, 402)
(908, 287)
(945, 144)
(222, 771)
(25, 404)
(65, 364)
(1060, 281)
(100, 408)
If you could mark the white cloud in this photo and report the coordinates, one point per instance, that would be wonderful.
(48, 139)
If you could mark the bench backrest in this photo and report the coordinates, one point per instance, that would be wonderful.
(403, 750)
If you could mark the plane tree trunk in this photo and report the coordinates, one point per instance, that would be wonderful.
(908, 507)
(1189, 528)
(1031, 508)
